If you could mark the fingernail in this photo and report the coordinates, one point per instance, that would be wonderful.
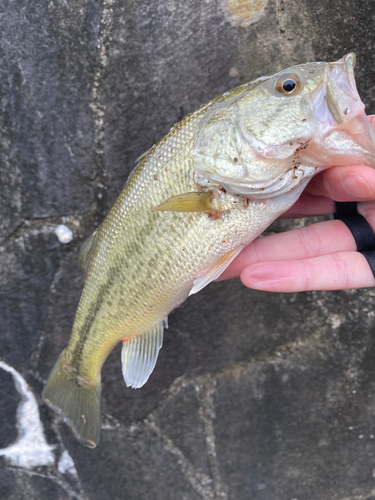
(264, 277)
(356, 187)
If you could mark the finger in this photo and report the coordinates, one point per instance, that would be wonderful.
(337, 183)
(367, 210)
(353, 181)
(344, 183)
(303, 243)
(328, 272)
(308, 206)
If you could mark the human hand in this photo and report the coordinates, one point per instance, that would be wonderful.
(322, 256)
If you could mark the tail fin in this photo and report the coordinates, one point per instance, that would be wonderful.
(79, 404)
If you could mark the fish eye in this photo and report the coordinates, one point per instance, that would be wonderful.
(287, 84)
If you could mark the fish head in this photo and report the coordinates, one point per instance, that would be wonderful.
(267, 137)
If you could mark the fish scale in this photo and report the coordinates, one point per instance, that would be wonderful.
(206, 190)
(134, 249)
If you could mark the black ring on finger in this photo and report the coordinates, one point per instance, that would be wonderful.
(361, 230)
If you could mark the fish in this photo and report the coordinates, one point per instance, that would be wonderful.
(212, 185)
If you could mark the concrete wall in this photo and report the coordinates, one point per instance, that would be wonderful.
(255, 396)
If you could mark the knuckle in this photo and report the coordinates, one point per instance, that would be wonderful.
(341, 270)
(367, 210)
(310, 240)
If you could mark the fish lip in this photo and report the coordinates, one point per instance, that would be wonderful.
(336, 100)
(354, 118)
(349, 62)
(343, 100)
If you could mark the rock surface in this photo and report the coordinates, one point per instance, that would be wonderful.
(255, 395)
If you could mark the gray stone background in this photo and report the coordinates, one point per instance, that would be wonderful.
(255, 395)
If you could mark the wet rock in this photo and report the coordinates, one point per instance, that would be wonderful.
(17, 485)
(255, 395)
(179, 417)
(302, 413)
(60, 311)
(9, 401)
(28, 264)
(47, 71)
(130, 462)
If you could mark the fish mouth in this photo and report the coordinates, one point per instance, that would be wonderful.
(340, 113)
(363, 135)
(343, 100)
(336, 100)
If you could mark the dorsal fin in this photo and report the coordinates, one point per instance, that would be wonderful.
(213, 271)
(84, 255)
(139, 355)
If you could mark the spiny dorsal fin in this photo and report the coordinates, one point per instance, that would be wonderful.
(213, 271)
(84, 255)
(139, 355)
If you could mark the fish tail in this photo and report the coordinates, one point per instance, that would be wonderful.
(75, 399)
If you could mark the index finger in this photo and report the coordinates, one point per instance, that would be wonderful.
(319, 239)
(353, 183)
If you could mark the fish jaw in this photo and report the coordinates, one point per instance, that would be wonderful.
(345, 135)
(336, 100)
(363, 135)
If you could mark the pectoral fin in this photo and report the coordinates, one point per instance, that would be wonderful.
(189, 202)
(212, 272)
(139, 355)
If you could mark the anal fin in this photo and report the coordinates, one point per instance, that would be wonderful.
(213, 271)
(139, 355)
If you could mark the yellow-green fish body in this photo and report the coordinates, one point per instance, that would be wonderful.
(237, 163)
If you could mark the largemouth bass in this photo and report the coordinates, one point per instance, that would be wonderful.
(205, 191)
